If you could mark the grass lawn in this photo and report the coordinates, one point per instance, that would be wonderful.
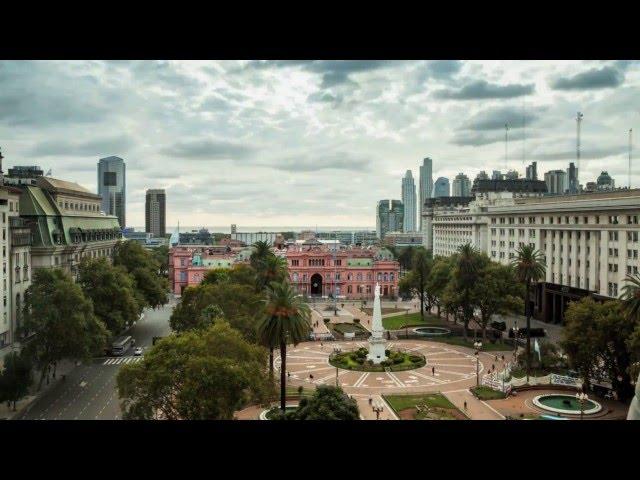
(369, 311)
(293, 391)
(348, 328)
(459, 341)
(486, 393)
(429, 406)
(398, 322)
(397, 361)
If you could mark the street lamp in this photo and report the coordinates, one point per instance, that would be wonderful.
(477, 346)
(582, 398)
(515, 342)
(377, 407)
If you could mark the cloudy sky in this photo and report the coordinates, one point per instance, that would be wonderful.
(298, 143)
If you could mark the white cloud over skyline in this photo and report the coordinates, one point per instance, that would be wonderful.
(308, 143)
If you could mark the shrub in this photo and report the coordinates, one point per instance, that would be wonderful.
(356, 320)
(397, 360)
(415, 358)
(387, 352)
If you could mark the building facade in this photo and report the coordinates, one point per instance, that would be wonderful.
(409, 202)
(155, 212)
(66, 224)
(351, 273)
(590, 241)
(441, 188)
(112, 188)
(404, 239)
(249, 238)
(389, 217)
(196, 237)
(426, 185)
(556, 181)
(461, 186)
(532, 171)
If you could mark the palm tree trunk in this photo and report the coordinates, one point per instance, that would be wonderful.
(422, 305)
(528, 315)
(271, 363)
(283, 376)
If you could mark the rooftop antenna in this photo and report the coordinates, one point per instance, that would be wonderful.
(630, 150)
(578, 123)
(506, 147)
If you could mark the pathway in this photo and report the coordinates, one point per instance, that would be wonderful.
(476, 409)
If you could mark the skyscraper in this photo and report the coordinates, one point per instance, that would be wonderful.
(155, 213)
(409, 202)
(441, 187)
(461, 186)
(389, 217)
(572, 179)
(556, 181)
(426, 185)
(496, 175)
(532, 171)
(112, 187)
(482, 175)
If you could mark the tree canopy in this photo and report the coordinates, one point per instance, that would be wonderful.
(61, 319)
(15, 378)
(326, 403)
(112, 291)
(151, 287)
(197, 375)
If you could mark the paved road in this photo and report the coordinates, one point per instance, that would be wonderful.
(89, 391)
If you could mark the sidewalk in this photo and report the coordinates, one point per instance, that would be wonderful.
(476, 409)
(23, 406)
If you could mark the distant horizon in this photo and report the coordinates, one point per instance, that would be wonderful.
(263, 228)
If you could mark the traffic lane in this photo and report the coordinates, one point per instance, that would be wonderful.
(57, 396)
(155, 323)
(102, 399)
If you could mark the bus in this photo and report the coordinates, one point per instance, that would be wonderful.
(121, 345)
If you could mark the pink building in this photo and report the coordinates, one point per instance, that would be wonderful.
(316, 270)
(189, 264)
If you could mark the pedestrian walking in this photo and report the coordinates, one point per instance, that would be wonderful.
(503, 358)
(465, 404)
(433, 371)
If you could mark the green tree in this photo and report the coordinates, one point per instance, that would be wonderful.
(596, 340)
(530, 268)
(326, 403)
(497, 292)
(15, 378)
(112, 292)
(240, 305)
(161, 255)
(204, 375)
(631, 295)
(272, 269)
(439, 278)
(61, 319)
(215, 275)
(150, 286)
(261, 250)
(420, 269)
(462, 289)
(287, 319)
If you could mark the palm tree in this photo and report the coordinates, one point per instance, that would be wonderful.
(530, 267)
(261, 250)
(272, 269)
(631, 295)
(287, 320)
(466, 273)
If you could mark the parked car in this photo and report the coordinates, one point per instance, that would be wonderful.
(138, 351)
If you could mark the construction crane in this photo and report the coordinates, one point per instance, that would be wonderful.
(578, 122)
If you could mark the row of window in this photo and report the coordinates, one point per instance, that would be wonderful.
(83, 207)
(613, 219)
(381, 277)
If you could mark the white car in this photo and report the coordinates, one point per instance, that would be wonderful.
(138, 351)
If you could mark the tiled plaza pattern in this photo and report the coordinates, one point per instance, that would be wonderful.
(448, 368)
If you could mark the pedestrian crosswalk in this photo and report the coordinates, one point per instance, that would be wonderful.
(121, 360)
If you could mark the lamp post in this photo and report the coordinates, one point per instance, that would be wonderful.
(582, 398)
(515, 342)
(477, 346)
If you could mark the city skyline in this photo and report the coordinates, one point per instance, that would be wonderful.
(283, 132)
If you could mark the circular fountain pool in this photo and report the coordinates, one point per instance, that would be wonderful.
(431, 331)
(567, 404)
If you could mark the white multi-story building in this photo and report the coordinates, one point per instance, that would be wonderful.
(590, 241)
(426, 186)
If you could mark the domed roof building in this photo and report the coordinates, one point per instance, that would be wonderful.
(605, 182)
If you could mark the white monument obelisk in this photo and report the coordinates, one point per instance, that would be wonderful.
(377, 342)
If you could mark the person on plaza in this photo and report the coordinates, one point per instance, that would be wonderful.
(433, 370)
(465, 404)
(503, 358)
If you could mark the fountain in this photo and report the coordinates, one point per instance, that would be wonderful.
(377, 342)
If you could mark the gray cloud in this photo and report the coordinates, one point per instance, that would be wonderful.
(480, 89)
(98, 147)
(208, 149)
(496, 118)
(336, 161)
(606, 77)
